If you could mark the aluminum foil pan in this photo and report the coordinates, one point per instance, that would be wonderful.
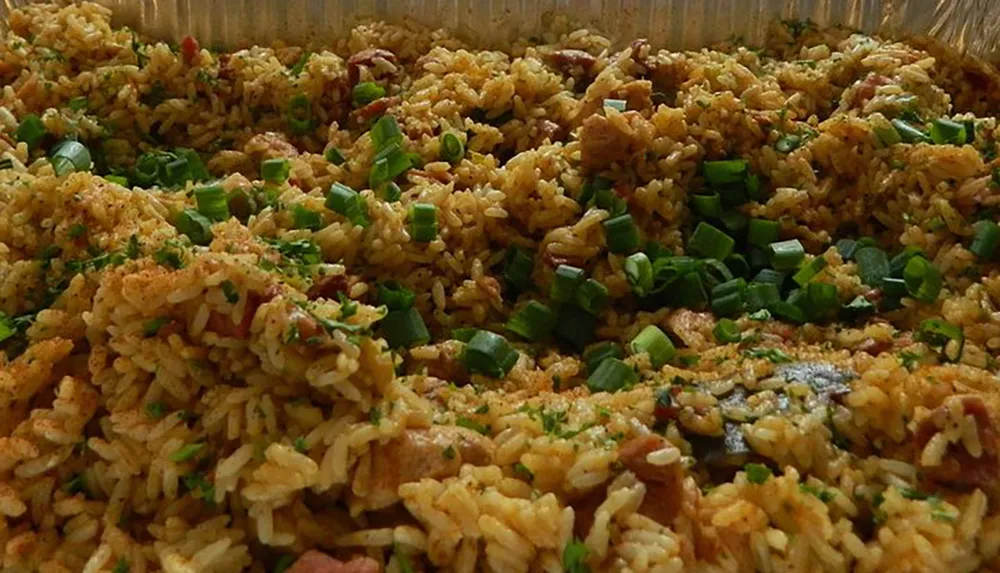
(972, 26)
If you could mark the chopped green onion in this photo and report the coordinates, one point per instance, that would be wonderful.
(565, 283)
(575, 327)
(621, 233)
(726, 331)
(463, 334)
(923, 279)
(391, 192)
(404, 328)
(592, 296)
(789, 310)
(518, 266)
(786, 255)
(887, 135)
(195, 225)
(31, 130)
(894, 287)
(333, 155)
(146, 169)
(709, 241)
(846, 248)
(909, 133)
(734, 222)
(727, 302)
(349, 203)
(984, 243)
(590, 188)
(212, 202)
(306, 218)
(945, 131)
(388, 164)
(752, 184)
(395, 296)
(772, 276)
(366, 92)
(970, 130)
(737, 285)
(452, 149)
(70, 156)
(117, 180)
(898, 263)
(598, 353)
(612, 375)
(707, 205)
(809, 271)
(655, 343)
(737, 264)
(230, 292)
(873, 265)
(726, 172)
(821, 299)
(714, 273)
(186, 452)
(299, 115)
(690, 291)
(385, 132)
(195, 166)
(177, 172)
(423, 222)
(763, 232)
(275, 170)
(490, 354)
(761, 296)
(609, 201)
(618, 104)
(788, 143)
(534, 322)
(639, 272)
(858, 307)
(945, 335)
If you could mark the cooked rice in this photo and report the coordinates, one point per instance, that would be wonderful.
(179, 408)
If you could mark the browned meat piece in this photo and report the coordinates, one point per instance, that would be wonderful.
(866, 88)
(603, 142)
(436, 452)
(567, 60)
(584, 509)
(305, 325)
(328, 286)
(313, 561)
(366, 58)
(874, 347)
(664, 484)
(269, 145)
(374, 109)
(190, 48)
(220, 323)
(958, 467)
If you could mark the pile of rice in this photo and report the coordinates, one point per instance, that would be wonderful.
(175, 407)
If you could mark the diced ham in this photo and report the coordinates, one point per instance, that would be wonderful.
(568, 59)
(366, 58)
(313, 561)
(190, 48)
(328, 287)
(374, 109)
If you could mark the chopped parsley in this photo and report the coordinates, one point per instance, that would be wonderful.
(121, 566)
(151, 327)
(775, 355)
(472, 425)
(484, 409)
(757, 473)
(300, 445)
(170, 255)
(449, 453)
(285, 562)
(762, 314)
(200, 487)
(186, 452)
(75, 485)
(402, 559)
(76, 231)
(229, 290)
(156, 410)
(909, 359)
(574, 557)
(375, 416)
(522, 470)
(823, 494)
(348, 307)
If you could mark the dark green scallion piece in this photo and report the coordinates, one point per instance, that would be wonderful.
(391, 192)
(908, 133)
(873, 265)
(404, 328)
(761, 296)
(490, 354)
(592, 296)
(275, 170)
(195, 225)
(709, 241)
(809, 271)
(575, 327)
(534, 322)
(304, 218)
(349, 203)
(385, 132)
(299, 115)
(726, 331)
(786, 255)
(923, 279)
(388, 164)
(621, 233)
(726, 172)
(612, 375)
(31, 130)
(763, 232)
(70, 156)
(945, 131)
(707, 205)
(788, 143)
(639, 272)
(565, 282)
(423, 222)
(598, 353)
(985, 240)
(212, 202)
(655, 343)
(395, 296)
(452, 148)
(887, 135)
(894, 287)
(517, 268)
(736, 223)
(333, 155)
(948, 337)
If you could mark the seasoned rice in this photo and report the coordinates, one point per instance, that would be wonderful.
(230, 395)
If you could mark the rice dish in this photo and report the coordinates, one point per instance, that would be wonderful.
(397, 303)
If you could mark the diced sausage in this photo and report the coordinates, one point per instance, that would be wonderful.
(436, 452)
(328, 286)
(448, 365)
(866, 88)
(366, 58)
(374, 109)
(269, 145)
(313, 561)
(664, 484)
(960, 468)
(190, 48)
(568, 59)
(224, 326)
